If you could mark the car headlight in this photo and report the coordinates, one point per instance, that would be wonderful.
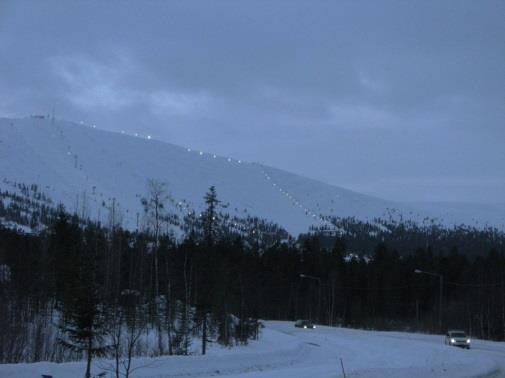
(304, 326)
(314, 326)
(468, 341)
(453, 341)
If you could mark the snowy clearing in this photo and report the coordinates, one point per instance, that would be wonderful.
(286, 351)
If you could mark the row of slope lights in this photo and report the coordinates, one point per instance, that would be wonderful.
(201, 153)
(183, 207)
(294, 201)
(230, 160)
(149, 137)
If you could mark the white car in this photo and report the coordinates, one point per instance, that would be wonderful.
(457, 338)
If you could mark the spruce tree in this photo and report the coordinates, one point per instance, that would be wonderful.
(210, 225)
(83, 325)
(83, 313)
(211, 217)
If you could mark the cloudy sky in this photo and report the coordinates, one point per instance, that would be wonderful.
(404, 100)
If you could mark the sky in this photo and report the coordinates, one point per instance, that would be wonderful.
(403, 100)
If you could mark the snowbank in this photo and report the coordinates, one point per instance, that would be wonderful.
(284, 351)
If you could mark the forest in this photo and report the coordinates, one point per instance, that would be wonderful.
(81, 289)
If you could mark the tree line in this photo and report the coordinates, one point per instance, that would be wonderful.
(81, 289)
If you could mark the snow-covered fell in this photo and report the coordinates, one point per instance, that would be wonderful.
(86, 169)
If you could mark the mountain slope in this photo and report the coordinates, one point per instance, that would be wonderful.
(86, 169)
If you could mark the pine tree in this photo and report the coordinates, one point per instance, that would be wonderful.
(83, 325)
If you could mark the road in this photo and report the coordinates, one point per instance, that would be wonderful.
(284, 351)
(331, 351)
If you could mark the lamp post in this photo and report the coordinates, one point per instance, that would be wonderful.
(440, 294)
(318, 295)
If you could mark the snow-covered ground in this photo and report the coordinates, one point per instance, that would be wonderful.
(285, 351)
(86, 169)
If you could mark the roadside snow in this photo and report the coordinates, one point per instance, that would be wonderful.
(284, 351)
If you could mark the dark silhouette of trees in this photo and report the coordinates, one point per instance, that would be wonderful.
(216, 283)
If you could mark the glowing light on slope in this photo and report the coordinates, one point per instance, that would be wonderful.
(294, 201)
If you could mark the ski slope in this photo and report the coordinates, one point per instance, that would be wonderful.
(86, 169)
(284, 351)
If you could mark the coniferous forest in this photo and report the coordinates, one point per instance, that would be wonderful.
(80, 289)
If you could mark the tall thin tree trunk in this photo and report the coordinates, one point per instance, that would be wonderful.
(168, 312)
(503, 308)
(88, 363)
(204, 333)
(187, 302)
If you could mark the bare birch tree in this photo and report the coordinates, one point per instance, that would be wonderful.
(156, 216)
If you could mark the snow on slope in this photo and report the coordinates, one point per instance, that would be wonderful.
(85, 168)
(469, 213)
(284, 351)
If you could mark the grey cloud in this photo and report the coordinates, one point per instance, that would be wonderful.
(364, 94)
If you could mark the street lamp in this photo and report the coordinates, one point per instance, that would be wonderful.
(318, 295)
(441, 278)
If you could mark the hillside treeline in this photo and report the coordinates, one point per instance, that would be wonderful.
(406, 236)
